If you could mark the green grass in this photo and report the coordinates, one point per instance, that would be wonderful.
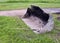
(22, 4)
(11, 6)
(14, 30)
(45, 1)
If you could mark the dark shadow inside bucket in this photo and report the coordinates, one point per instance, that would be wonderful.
(37, 12)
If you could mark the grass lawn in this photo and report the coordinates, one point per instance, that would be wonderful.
(45, 1)
(14, 30)
(11, 6)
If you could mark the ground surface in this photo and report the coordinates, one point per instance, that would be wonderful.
(32, 22)
(23, 11)
(46, 1)
(13, 30)
(14, 6)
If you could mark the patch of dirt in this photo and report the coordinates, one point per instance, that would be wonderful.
(58, 13)
(13, 13)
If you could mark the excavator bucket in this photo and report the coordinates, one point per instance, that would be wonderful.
(38, 20)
